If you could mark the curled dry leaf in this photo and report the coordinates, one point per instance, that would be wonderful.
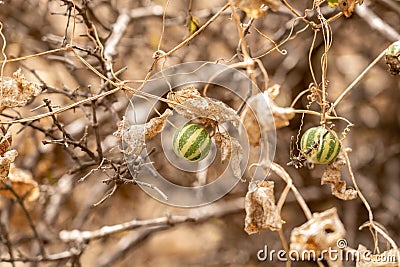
(237, 156)
(22, 183)
(230, 148)
(261, 211)
(193, 106)
(281, 115)
(332, 176)
(5, 144)
(7, 156)
(182, 95)
(133, 136)
(321, 232)
(253, 8)
(156, 125)
(17, 91)
(5, 161)
(262, 105)
(368, 259)
(252, 126)
(223, 142)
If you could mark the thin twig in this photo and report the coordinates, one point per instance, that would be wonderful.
(368, 207)
(110, 47)
(286, 177)
(73, 252)
(217, 209)
(6, 240)
(28, 218)
(195, 34)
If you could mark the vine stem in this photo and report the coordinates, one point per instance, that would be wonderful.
(281, 172)
(370, 214)
(3, 64)
(66, 48)
(191, 37)
(316, 113)
(359, 77)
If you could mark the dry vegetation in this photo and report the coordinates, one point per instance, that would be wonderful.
(69, 70)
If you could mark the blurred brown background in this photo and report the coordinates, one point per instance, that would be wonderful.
(373, 106)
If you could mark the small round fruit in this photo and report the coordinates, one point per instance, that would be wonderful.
(321, 150)
(191, 142)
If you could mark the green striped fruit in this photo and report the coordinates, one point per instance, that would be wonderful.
(319, 146)
(191, 142)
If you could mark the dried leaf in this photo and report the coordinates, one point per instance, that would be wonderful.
(321, 232)
(5, 162)
(281, 115)
(17, 91)
(261, 211)
(5, 144)
(223, 142)
(156, 125)
(193, 106)
(230, 148)
(182, 95)
(253, 7)
(332, 176)
(252, 125)
(368, 259)
(258, 104)
(122, 126)
(134, 136)
(347, 7)
(237, 156)
(22, 183)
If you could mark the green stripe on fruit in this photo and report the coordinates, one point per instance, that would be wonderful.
(324, 146)
(191, 142)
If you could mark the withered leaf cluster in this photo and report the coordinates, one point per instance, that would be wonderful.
(261, 211)
(16, 91)
(134, 136)
(20, 181)
(333, 176)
